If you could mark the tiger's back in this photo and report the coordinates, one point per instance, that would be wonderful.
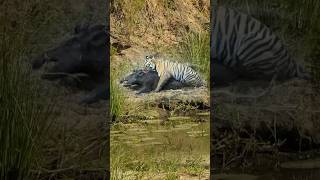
(249, 47)
(168, 69)
(180, 72)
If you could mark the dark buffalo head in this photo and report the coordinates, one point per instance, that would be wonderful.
(85, 52)
(138, 77)
(146, 80)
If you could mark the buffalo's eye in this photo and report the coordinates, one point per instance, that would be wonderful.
(141, 73)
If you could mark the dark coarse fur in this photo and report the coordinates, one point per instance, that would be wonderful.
(83, 57)
(145, 81)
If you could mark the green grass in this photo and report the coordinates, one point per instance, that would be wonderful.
(24, 119)
(24, 115)
(195, 50)
(117, 96)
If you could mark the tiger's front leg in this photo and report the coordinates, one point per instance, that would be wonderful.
(162, 81)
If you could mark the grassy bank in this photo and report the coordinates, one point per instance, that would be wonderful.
(158, 26)
(143, 145)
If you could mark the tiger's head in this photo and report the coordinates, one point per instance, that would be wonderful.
(149, 62)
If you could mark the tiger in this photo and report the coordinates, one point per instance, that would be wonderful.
(167, 69)
(248, 47)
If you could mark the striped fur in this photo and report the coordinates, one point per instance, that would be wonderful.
(167, 69)
(250, 48)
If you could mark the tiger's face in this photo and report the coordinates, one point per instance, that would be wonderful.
(149, 62)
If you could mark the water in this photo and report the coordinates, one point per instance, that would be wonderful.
(155, 132)
(181, 146)
(178, 147)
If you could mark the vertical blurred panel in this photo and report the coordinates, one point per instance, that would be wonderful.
(265, 89)
(164, 134)
(54, 89)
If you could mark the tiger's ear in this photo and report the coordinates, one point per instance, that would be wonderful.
(155, 61)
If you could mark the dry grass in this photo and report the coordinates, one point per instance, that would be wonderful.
(159, 26)
(155, 24)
